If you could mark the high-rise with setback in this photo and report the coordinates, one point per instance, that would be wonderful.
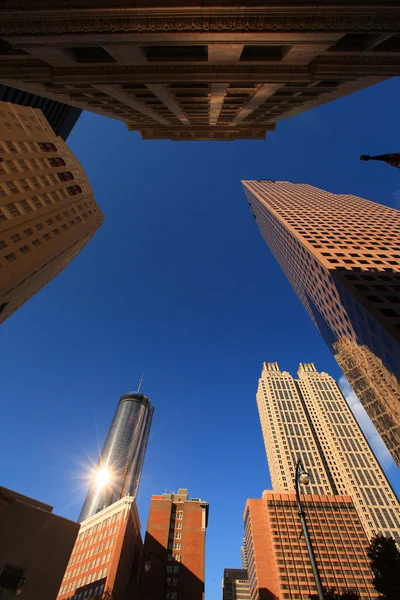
(309, 418)
(341, 253)
(190, 70)
(121, 460)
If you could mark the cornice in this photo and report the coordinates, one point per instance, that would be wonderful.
(212, 20)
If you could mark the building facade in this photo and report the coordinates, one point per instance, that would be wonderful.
(35, 546)
(122, 457)
(341, 254)
(106, 555)
(175, 540)
(235, 585)
(59, 116)
(309, 418)
(198, 71)
(279, 564)
(47, 210)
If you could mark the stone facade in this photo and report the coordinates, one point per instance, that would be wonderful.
(47, 209)
(191, 72)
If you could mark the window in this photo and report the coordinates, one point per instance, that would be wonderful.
(66, 176)
(10, 257)
(15, 238)
(13, 209)
(49, 222)
(2, 216)
(73, 190)
(46, 236)
(28, 232)
(39, 226)
(57, 162)
(27, 207)
(36, 242)
(46, 147)
(3, 244)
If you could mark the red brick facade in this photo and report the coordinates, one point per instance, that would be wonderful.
(106, 555)
(175, 536)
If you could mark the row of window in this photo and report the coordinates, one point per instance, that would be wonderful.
(83, 581)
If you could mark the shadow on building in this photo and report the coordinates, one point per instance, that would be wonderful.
(167, 579)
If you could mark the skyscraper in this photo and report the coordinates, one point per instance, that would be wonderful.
(243, 553)
(121, 460)
(198, 71)
(341, 254)
(175, 536)
(279, 564)
(60, 117)
(309, 418)
(47, 210)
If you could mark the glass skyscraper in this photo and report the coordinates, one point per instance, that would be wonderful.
(341, 254)
(121, 460)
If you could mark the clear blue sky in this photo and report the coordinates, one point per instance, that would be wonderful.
(179, 283)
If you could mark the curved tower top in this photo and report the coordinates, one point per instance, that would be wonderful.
(121, 460)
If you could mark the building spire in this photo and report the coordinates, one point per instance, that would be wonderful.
(140, 383)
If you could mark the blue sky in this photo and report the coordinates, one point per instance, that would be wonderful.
(179, 283)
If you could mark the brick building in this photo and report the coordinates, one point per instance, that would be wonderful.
(47, 210)
(235, 585)
(35, 545)
(341, 254)
(175, 546)
(106, 555)
(198, 70)
(279, 564)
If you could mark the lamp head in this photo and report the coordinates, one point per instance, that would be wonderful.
(147, 566)
(304, 478)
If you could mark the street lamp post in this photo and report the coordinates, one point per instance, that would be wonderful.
(303, 477)
(147, 567)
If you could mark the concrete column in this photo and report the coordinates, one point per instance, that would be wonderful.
(161, 91)
(258, 98)
(115, 92)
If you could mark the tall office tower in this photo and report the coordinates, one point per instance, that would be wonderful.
(61, 117)
(121, 460)
(106, 555)
(47, 210)
(341, 254)
(175, 533)
(309, 418)
(235, 585)
(198, 71)
(243, 552)
(279, 564)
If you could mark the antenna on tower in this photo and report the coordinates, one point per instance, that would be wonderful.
(140, 383)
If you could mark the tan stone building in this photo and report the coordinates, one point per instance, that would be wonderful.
(195, 70)
(106, 555)
(279, 564)
(309, 418)
(174, 545)
(47, 210)
(341, 254)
